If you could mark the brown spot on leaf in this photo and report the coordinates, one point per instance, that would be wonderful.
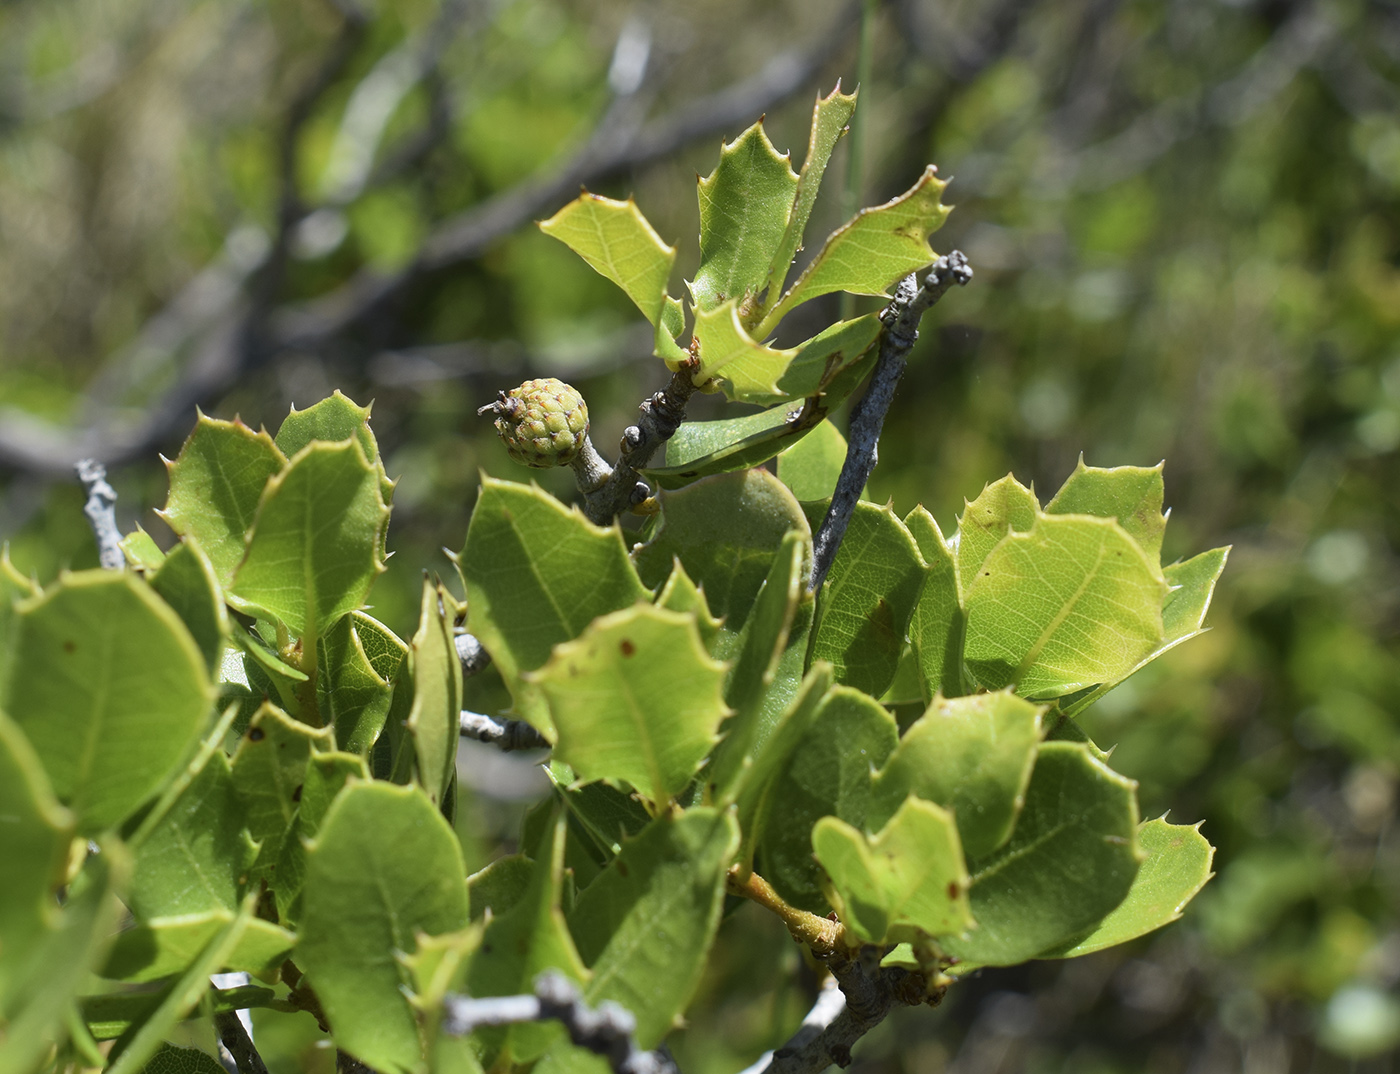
(952, 889)
(621, 867)
(296, 794)
(628, 649)
(256, 734)
(70, 646)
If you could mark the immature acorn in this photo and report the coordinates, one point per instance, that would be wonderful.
(543, 422)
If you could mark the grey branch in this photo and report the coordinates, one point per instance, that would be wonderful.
(101, 513)
(505, 735)
(606, 1031)
(831, 1001)
(234, 1037)
(472, 654)
(662, 415)
(901, 331)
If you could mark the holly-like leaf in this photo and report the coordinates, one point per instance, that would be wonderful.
(724, 343)
(1131, 494)
(811, 466)
(645, 925)
(829, 119)
(877, 248)
(865, 605)
(1073, 603)
(522, 943)
(187, 582)
(725, 530)
(1004, 506)
(909, 878)
(1192, 585)
(827, 774)
(385, 867)
(973, 755)
(637, 699)
(269, 769)
(433, 720)
(42, 993)
(141, 551)
(499, 886)
(618, 243)
(536, 573)
(327, 774)
(705, 448)
(937, 624)
(764, 639)
(1070, 860)
(334, 418)
(359, 659)
(833, 362)
(216, 483)
(680, 594)
(1177, 865)
(315, 546)
(267, 673)
(34, 840)
(109, 688)
(163, 946)
(745, 204)
(196, 857)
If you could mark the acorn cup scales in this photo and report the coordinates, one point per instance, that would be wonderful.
(542, 423)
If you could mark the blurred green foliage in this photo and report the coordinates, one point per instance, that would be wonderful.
(1185, 224)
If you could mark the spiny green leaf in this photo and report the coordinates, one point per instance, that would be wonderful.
(864, 607)
(433, 720)
(141, 551)
(937, 623)
(725, 530)
(909, 878)
(973, 755)
(384, 867)
(34, 840)
(359, 659)
(172, 1060)
(1004, 506)
(745, 204)
(617, 242)
(536, 573)
(705, 448)
(315, 546)
(760, 778)
(764, 638)
(1070, 604)
(522, 943)
(637, 699)
(163, 946)
(216, 483)
(1131, 494)
(829, 119)
(1177, 865)
(186, 581)
(811, 466)
(196, 857)
(1192, 584)
(327, 774)
(140, 1042)
(680, 594)
(334, 418)
(875, 250)
(610, 816)
(827, 774)
(1070, 860)
(109, 688)
(645, 925)
(832, 362)
(499, 886)
(34, 1006)
(724, 341)
(269, 769)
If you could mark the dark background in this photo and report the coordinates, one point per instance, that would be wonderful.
(1184, 217)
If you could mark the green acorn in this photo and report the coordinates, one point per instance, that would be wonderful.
(543, 422)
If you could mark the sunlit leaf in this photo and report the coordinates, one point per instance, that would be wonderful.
(909, 877)
(724, 342)
(1131, 494)
(1004, 506)
(811, 466)
(635, 698)
(645, 925)
(1070, 604)
(937, 623)
(433, 720)
(187, 582)
(359, 659)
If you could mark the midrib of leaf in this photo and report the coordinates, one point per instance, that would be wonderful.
(612, 261)
(243, 520)
(626, 952)
(182, 842)
(1028, 661)
(99, 716)
(1021, 852)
